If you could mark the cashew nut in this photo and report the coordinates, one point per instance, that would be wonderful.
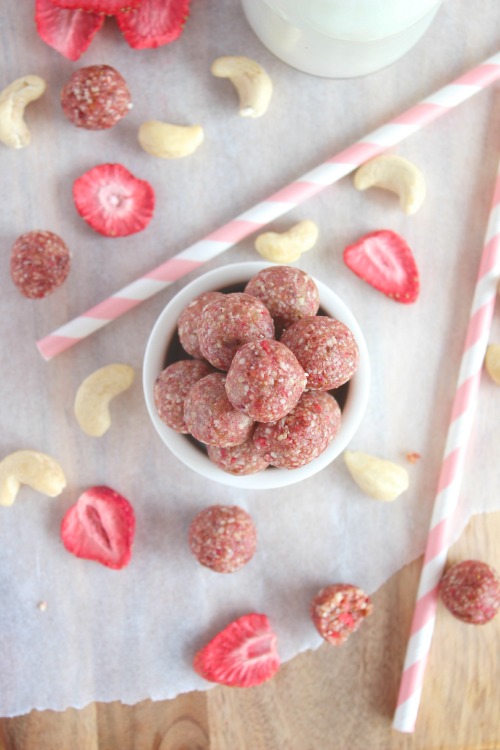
(94, 394)
(38, 470)
(377, 477)
(13, 101)
(288, 246)
(492, 362)
(252, 83)
(169, 141)
(396, 174)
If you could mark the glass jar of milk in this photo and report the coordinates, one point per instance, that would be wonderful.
(339, 38)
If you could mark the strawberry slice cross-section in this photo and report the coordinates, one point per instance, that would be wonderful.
(70, 32)
(113, 201)
(384, 260)
(244, 654)
(154, 23)
(108, 7)
(100, 526)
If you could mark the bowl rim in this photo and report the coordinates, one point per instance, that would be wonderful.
(178, 443)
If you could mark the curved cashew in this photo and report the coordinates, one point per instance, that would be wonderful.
(376, 477)
(169, 141)
(492, 362)
(94, 394)
(13, 101)
(397, 174)
(38, 470)
(288, 246)
(250, 80)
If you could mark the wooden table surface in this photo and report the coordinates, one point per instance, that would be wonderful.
(329, 698)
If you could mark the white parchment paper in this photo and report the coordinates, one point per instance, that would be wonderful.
(131, 634)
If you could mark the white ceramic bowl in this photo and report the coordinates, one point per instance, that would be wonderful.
(193, 455)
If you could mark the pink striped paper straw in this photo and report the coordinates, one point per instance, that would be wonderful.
(276, 205)
(450, 477)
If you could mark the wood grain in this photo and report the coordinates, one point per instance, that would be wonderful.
(179, 724)
(330, 698)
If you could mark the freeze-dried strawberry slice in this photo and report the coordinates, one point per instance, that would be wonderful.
(108, 7)
(68, 31)
(384, 260)
(100, 527)
(113, 201)
(242, 655)
(154, 23)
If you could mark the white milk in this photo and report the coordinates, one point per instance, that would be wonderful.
(339, 38)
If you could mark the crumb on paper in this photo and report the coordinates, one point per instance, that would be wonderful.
(42, 606)
(412, 457)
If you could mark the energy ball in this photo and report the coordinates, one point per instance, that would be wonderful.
(173, 385)
(95, 97)
(223, 538)
(240, 460)
(228, 323)
(188, 322)
(338, 610)
(302, 435)
(211, 418)
(39, 263)
(288, 293)
(471, 591)
(265, 380)
(325, 348)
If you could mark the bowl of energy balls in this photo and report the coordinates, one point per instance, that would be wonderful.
(256, 376)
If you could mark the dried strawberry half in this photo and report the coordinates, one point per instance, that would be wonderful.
(70, 32)
(108, 7)
(384, 260)
(242, 655)
(154, 23)
(113, 201)
(100, 527)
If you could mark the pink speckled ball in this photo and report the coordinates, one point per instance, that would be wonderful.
(471, 591)
(288, 293)
(39, 263)
(211, 418)
(240, 460)
(189, 320)
(339, 610)
(303, 434)
(325, 348)
(173, 385)
(265, 380)
(223, 538)
(228, 323)
(96, 97)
